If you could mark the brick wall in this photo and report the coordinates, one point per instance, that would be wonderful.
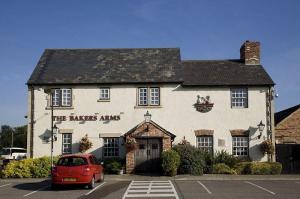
(288, 130)
(146, 130)
(250, 52)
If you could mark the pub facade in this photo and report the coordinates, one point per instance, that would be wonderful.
(150, 99)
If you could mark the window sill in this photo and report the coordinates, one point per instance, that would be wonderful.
(137, 107)
(60, 107)
(103, 100)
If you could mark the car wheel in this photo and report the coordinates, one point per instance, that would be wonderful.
(91, 185)
(54, 186)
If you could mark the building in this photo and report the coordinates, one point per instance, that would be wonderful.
(287, 136)
(106, 93)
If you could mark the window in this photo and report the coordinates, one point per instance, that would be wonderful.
(239, 98)
(240, 146)
(104, 94)
(205, 143)
(149, 96)
(62, 97)
(111, 147)
(66, 143)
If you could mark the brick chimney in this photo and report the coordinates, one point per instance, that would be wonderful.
(250, 52)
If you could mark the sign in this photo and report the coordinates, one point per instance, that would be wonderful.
(87, 118)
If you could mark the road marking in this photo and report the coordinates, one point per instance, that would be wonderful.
(146, 189)
(207, 190)
(36, 191)
(100, 185)
(5, 185)
(262, 188)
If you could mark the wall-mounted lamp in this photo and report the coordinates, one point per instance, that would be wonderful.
(261, 127)
(55, 132)
(147, 117)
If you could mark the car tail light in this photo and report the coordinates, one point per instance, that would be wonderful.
(86, 170)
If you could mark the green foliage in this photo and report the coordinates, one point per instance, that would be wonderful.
(113, 165)
(259, 168)
(85, 144)
(267, 147)
(29, 168)
(192, 159)
(20, 136)
(222, 168)
(226, 158)
(170, 162)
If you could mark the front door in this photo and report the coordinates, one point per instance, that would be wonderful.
(147, 156)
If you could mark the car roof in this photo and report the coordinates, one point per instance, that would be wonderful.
(77, 155)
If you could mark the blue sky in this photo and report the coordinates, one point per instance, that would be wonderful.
(209, 29)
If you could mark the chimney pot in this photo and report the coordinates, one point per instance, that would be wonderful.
(250, 52)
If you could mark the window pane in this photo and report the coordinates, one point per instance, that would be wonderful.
(154, 96)
(111, 147)
(66, 97)
(240, 146)
(104, 94)
(67, 143)
(56, 97)
(205, 143)
(143, 96)
(239, 97)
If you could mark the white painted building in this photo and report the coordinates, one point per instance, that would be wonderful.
(105, 93)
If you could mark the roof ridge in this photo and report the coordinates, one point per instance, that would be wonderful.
(112, 48)
(209, 60)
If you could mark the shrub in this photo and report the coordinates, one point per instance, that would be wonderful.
(222, 168)
(29, 168)
(259, 168)
(170, 162)
(192, 159)
(208, 162)
(113, 165)
(85, 144)
(267, 147)
(226, 158)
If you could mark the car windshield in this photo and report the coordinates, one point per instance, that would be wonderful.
(72, 161)
(5, 152)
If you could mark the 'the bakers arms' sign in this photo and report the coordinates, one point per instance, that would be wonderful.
(87, 118)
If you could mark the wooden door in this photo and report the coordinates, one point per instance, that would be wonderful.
(147, 156)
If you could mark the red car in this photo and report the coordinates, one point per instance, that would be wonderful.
(77, 169)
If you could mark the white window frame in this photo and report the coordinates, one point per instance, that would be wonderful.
(205, 143)
(240, 146)
(62, 97)
(148, 96)
(104, 93)
(66, 143)
(239, 97)
(111, 147)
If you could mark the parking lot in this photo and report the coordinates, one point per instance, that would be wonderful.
(113, 189)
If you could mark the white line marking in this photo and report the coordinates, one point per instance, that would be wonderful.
(5, 185)
(91, 191)
(207, 190)
(36, 191)
(262, 188)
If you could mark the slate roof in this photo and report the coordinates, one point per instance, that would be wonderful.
(90, 66)
(141, 65)
(281, 115)
(224, 73)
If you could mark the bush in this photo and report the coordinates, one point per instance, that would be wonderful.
(259, 168)
(113, 165)
(85, 144)
(29, 168)
(226, 158)
(170, 162)
(267, 147)
(192, 159)
(222, 168)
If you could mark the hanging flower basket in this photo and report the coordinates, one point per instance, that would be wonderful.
(204, 108)
(131, 144)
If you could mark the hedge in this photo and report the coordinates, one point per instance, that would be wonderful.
(222, 168)
(170, 161)
(259, 168)
(28, 168)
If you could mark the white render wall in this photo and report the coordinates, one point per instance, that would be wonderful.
(176, 114)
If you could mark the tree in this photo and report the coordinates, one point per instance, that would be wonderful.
(85, 144)
(19, 136)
